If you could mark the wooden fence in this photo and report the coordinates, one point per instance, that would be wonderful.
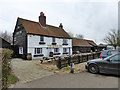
(76, 59)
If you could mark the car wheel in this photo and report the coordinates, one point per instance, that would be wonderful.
(93, 69)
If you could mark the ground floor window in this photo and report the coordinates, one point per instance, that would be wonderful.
(38, 51)
(56, 50)
(64, 49)
(20, 50)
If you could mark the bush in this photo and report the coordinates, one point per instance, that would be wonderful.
(67, 68)
(6, 55)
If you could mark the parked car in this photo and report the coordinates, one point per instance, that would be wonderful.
(107, 53)
(110, 47)
(109, 65)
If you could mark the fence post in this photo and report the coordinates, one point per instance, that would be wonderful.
(69, 59)
(59, 63)
(93, 56)
(87, 57)
(82, 58)
(78, 59)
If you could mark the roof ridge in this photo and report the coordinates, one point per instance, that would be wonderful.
(36, 22)
(27, 20)
(78, 38)
(52, 26)
(50, 30)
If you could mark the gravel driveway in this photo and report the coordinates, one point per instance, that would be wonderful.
(27, 70)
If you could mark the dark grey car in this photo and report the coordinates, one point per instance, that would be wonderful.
(109, 65)
(107, 53)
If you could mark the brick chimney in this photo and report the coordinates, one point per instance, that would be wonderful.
(61, 26)
(42, 19)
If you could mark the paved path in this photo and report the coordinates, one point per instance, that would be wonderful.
(81, 80)
(27, 70)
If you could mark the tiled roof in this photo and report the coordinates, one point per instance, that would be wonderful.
(81, 42)
(92, 42)
(33, 27)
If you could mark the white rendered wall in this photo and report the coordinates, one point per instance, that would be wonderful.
(33, 42)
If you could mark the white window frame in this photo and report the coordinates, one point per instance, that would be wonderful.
(55, 50)
(36, 51)
(64, 50)
(53, 39)
(65, 41)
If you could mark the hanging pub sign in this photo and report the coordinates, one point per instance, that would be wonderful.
(54, 45)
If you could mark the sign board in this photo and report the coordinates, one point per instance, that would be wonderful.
(54, 45)
(20, 50)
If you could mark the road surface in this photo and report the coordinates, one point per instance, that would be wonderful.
(81, 80)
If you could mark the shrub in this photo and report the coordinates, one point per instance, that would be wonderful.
(6, 55)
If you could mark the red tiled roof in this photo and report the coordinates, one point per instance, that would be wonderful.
(35, 28)
(92, 42)
(81, 42)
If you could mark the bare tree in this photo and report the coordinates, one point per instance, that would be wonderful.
(113, 38)
(79, 36)
(71, 34)
(7, 36)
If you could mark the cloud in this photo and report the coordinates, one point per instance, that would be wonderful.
(92, 19)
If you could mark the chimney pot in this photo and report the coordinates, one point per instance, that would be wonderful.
(41, 14)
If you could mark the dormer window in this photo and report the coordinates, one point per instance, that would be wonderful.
(53, 41)
(65, 42)
(41, 40)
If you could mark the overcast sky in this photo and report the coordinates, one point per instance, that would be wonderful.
(91, 18)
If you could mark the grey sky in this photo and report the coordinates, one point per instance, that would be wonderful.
(93, 19)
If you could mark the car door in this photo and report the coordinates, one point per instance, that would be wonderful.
(113, 65)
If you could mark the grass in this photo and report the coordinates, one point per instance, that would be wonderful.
(66, 68)
(12, 79)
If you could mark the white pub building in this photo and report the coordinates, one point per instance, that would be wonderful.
(40, 40)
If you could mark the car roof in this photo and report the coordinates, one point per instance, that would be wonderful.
(109, 50)
(118, 53)
(106, 51)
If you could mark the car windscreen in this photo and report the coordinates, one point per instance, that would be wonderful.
(114, 52)
(104, 53)
(112, 56)
(108, 57)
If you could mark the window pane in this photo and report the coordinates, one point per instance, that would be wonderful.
(64, 49)
(53, 39)
(35, 51)
(114, 58)
(38, 50)
(41, 38)
(56, 49)
(65, 41)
